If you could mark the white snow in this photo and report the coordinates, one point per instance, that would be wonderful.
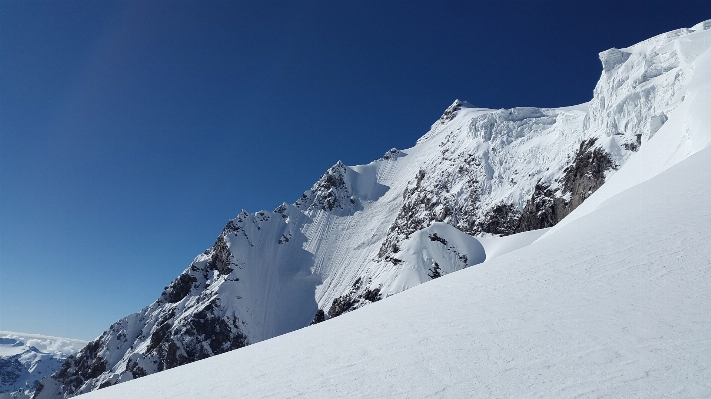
(613, 304)
(27, 358)
(685, 132)
(439, 245)
(497, 246)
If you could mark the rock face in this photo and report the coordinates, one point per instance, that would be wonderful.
(580, 179)
(330, 192)
(363, 233)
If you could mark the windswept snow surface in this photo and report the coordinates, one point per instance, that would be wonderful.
(497, 246)
(614, 304)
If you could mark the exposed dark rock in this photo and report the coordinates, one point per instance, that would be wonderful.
(221, 259)
(393, 260)
(39, 389)
(371, 295)
(179, 288)
(451, 112)
(10, 370)
(435, 237)
(319, 317)
(281, 209)
(544, 209)
(580, 179)
(135, 370)
(284, 238)
(425, 203)
(394, 153)
(329, 192)
(633, 145)
(502, 219)
(231, 227)
(435, 271)
(587, 172)
(203, 335)
(416, 213)
(341, 305)
(158, 337)
(77, 370)
(428, 199)
(353, 299)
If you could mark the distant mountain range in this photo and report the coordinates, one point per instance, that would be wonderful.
(27, 358)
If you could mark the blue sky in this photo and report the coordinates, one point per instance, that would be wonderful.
(130, 132)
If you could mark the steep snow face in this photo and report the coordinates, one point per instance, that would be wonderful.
(27, 358)
(363, 233)
(642, 84)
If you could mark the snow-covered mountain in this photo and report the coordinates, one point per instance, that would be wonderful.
(363, 233)
(611, 305)
(27, 358)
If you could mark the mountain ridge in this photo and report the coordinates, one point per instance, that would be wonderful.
(366, 232)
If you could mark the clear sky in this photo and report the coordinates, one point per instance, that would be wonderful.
(130, 132)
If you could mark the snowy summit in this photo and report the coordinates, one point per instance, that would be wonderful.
(578, 236)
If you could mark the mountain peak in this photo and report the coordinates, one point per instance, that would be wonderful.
(453, 109)
(366, 232)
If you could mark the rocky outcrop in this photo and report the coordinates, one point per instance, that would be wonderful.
(10, 371)
(501, 220)
(580, 179)
(393, 153)
(358, 296)
(426, 202)
(451, 111)
(77, 370)
(330, 192)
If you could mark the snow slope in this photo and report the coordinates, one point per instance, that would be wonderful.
(613, 304)
(26, 358)
(364, 233)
